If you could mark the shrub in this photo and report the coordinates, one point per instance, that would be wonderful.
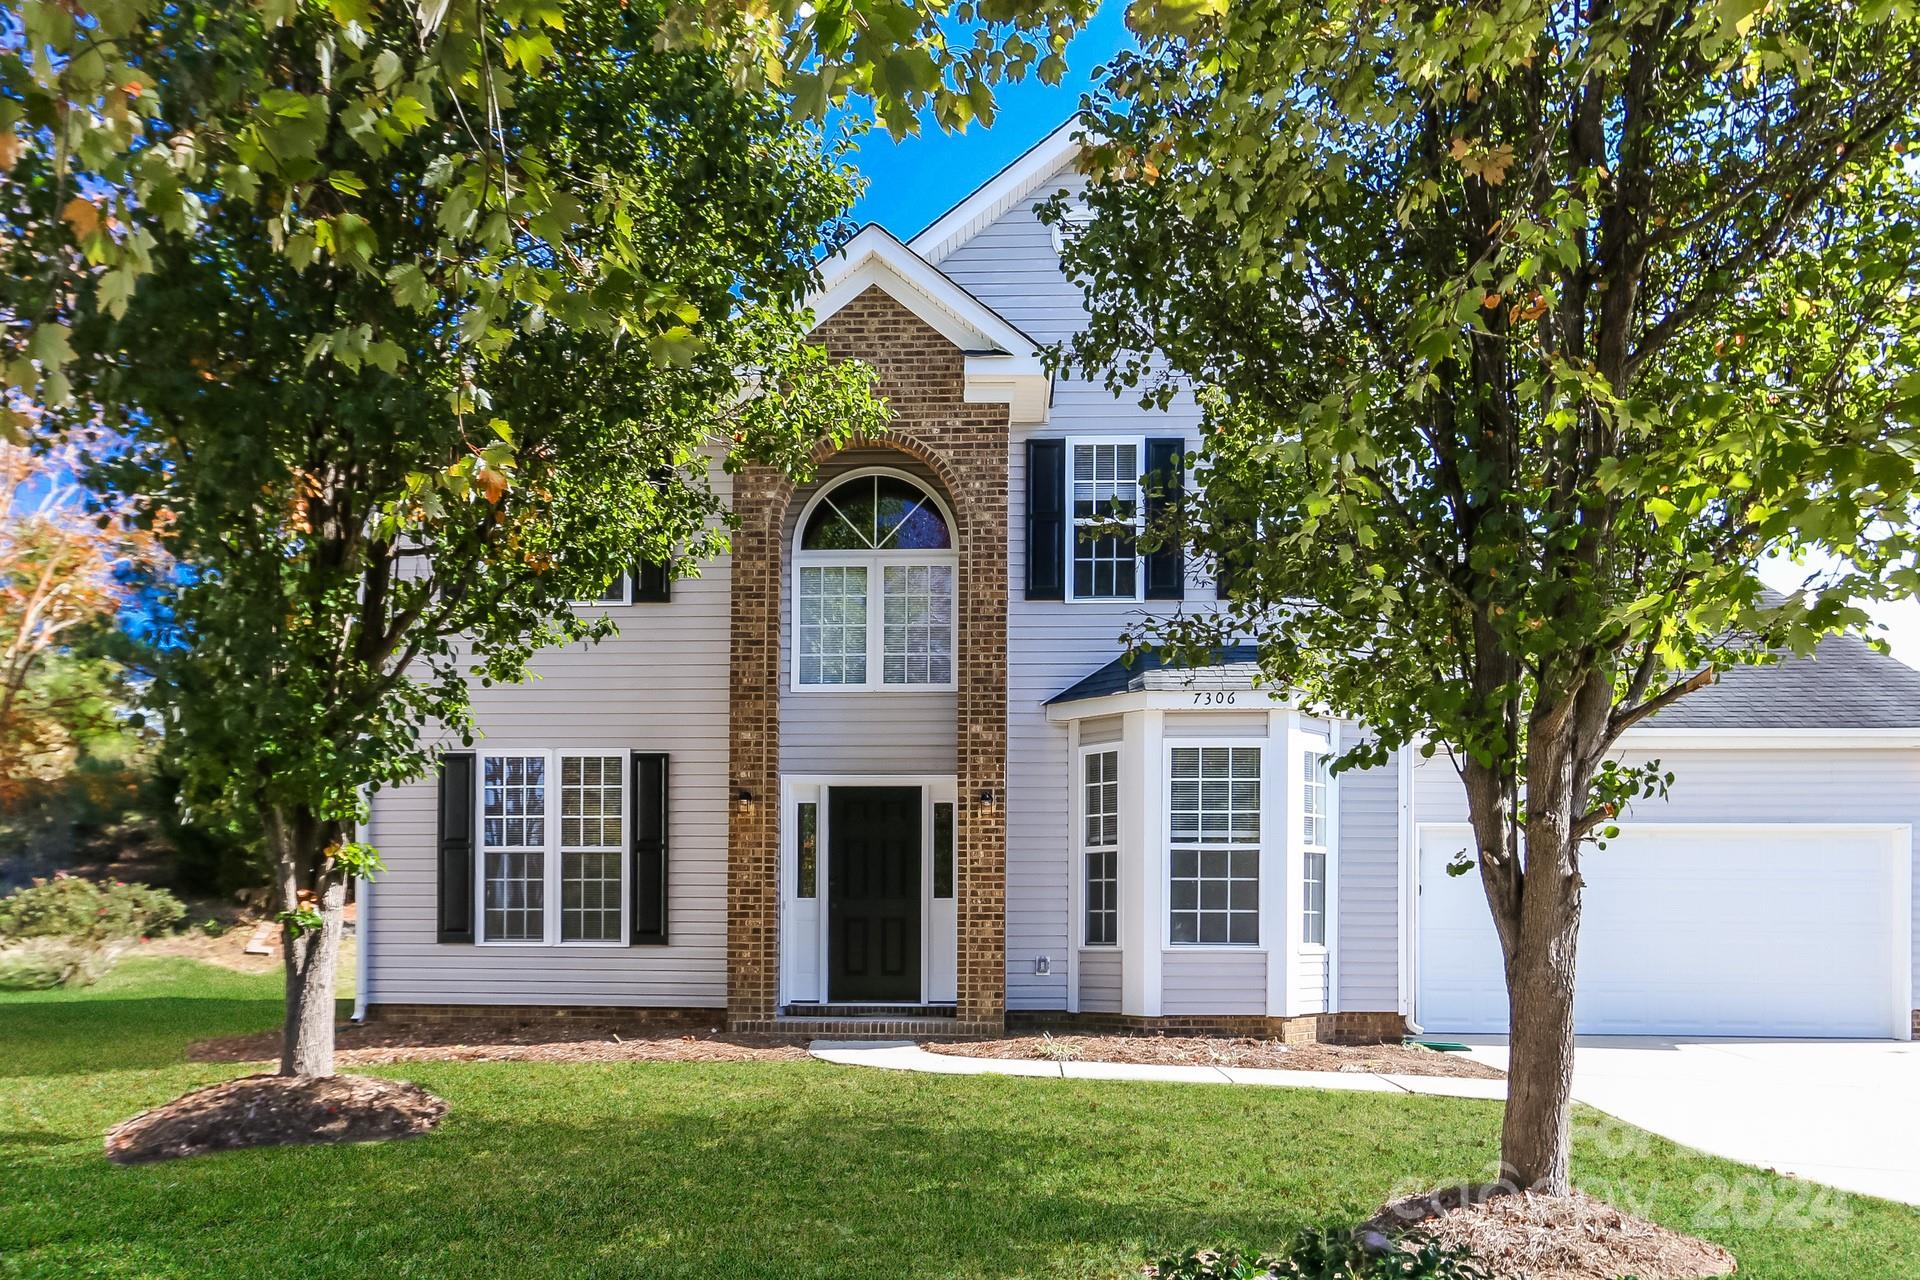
(81, 911)
(37, 964)
(1329, 1255)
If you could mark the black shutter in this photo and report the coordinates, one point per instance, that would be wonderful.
(653, 579)
(455, 844)
(652, 582)
(1166, 481)
(1046, 519)
(649, 871)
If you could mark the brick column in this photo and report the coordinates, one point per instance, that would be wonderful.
(922, 377)
(753, 834)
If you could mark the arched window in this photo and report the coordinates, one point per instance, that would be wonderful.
(874, 586)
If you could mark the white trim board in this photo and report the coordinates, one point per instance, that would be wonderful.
(1001, 192)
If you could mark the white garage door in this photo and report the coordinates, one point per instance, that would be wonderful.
(1695, 930)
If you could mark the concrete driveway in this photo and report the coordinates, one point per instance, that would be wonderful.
(1842, 1112)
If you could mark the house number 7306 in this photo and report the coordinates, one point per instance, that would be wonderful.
(1213, 698)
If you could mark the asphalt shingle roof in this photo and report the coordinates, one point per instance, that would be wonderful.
(1844, 685)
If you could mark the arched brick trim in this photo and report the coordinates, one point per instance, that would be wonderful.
(966, 446)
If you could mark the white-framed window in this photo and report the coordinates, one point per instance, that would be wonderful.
(1100, 845)
(553, 847)
(876, 602)
(1313, 873)
(1104, 494)
(1213, 836)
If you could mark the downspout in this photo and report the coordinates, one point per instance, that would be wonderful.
(1409, 887)
(362, 922)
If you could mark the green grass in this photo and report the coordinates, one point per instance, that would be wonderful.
(789, 1169)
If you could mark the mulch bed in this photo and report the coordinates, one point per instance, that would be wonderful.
(272, 1111)
(1518, 1235)
(560, 1041)
(1220, 1051)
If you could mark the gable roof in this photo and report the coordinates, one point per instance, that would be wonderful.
(1003, 364)
(1846, 684)
(1020, 179)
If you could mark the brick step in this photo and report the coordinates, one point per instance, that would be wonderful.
(867, 1028)
(890, 1011)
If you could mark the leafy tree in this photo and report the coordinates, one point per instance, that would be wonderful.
(414, 323)
(1527, 330)
(65, 565)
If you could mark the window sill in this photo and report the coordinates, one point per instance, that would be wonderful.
(1239, 948)
(511, 945)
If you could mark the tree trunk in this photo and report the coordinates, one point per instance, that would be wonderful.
(303, 846)
(307, 1042)
(1536, 1132)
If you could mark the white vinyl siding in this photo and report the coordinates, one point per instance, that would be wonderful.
(1011, 265)
(661, 686)
(1367, 913)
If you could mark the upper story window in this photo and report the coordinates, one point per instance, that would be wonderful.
(1104, 489)
(874, 587)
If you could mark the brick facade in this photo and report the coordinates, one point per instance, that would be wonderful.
(921, 375)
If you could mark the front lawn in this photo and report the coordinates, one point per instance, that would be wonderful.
(769, 1169)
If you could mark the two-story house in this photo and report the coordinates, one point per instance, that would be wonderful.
(882, 770)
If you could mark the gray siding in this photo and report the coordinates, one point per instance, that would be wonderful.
(1831, 786)
(1368, 920)
(660, 685)
(1100, 970)
(1011, 266)
(1213, 982)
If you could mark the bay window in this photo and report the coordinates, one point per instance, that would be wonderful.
(875, 576)
(1213, 851)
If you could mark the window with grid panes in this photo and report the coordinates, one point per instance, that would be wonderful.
(1213, 836)
(875, 588)
(1100, 840)
(1106, 520)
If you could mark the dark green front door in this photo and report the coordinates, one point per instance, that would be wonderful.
(873, 894)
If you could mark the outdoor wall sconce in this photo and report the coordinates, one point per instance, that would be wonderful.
(743, 800)
(987, 800)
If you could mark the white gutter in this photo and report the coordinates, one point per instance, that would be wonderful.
(362, 934)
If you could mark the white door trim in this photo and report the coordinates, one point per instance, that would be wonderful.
(935, 788)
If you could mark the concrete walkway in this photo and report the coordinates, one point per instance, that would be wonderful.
(1842, 1112)
(904, 1055)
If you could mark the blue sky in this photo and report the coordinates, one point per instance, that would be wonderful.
(914, 181)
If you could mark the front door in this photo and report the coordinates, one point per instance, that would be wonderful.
(873, 894)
